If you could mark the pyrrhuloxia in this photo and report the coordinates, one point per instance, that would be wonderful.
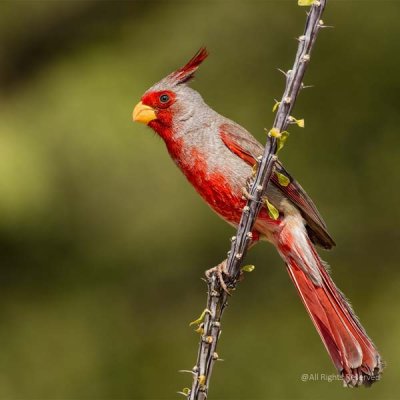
(217, 155)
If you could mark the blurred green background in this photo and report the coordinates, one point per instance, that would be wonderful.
(102, 241)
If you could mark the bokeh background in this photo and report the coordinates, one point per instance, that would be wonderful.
(102, 241)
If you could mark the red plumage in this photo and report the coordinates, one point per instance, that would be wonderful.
(186, 73)
(346, 341)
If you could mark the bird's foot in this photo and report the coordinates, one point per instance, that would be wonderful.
(246, 195)
(220, 270)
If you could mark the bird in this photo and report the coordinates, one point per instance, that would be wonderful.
(218, 156)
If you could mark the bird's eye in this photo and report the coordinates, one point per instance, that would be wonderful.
(164, 98)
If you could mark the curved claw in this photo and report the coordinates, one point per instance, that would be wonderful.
(220, 271)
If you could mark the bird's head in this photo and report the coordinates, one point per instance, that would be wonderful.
(171, 101)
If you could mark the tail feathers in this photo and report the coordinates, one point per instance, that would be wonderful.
(346, 341)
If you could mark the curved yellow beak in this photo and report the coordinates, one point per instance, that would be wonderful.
(142, 113)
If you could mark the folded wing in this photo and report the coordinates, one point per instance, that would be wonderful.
(245, 146)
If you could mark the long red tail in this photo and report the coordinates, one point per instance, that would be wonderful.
(348, 345)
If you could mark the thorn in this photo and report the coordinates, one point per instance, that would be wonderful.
(325, 26)
(287, 100)
(217, 324)
(186, 371)
(283, 72)
(306, 58)
(233, 238)
(246, 209)
(303, 86)
(195, 369)
(259, 188)
(238, 256)
(250, 235)
(301, 38)
(208, 339)
(215, 356)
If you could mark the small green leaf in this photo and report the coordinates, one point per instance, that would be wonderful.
(303, 3)
(276, 105)
(199, 320)
(200, 329)
(282, 179)
(184, 392)
(248, 268)
(298, 122)
(272, 210)
(274, 132)
(282, 139)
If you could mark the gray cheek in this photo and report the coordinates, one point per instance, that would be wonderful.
(184, 115)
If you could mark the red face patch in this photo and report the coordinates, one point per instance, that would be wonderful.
(161, 101)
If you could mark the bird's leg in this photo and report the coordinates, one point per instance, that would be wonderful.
(246, 195)
(220, 270)
(245, 190)
(249, 183)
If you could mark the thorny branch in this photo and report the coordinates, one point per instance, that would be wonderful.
(217, 298)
